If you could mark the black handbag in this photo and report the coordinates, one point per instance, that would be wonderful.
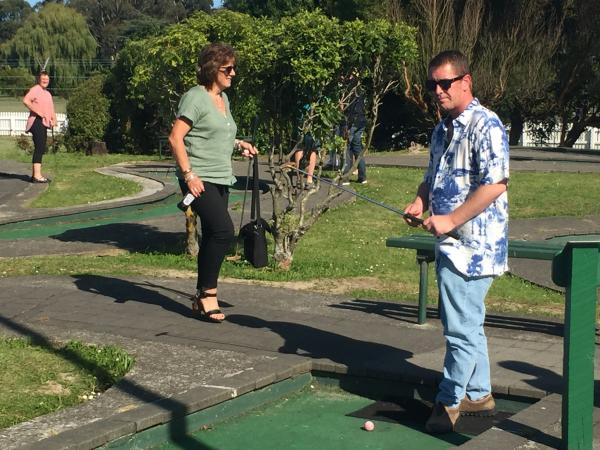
(253, 233)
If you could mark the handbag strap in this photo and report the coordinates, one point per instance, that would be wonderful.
(255, 208)
(245, 193)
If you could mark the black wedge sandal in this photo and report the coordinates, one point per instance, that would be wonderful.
(198, 308)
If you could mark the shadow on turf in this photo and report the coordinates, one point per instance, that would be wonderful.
(544, 379)
(409, 313)
(123, 291)
(399, 397)
(15, 176)
(178, 428)
(132, 237)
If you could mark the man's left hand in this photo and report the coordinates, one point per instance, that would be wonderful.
(439, 225)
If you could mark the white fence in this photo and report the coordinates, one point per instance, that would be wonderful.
(589, 139)
(13, 123)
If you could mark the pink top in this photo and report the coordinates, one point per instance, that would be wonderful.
(42, 100)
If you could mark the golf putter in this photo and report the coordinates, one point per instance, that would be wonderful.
(412, 218)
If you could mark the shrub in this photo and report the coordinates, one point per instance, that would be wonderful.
(87, 114)
(25, 143)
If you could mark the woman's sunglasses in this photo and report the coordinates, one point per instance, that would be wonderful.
(444, 84)
(227, 69)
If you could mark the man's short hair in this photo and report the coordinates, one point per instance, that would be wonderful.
(453, 57)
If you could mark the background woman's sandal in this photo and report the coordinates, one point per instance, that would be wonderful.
(198, 308)
(40, 180)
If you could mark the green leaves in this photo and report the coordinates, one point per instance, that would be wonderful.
(58, 33)
(87, 111)
(282, 66)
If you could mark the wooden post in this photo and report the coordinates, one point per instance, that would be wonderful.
(577, 269)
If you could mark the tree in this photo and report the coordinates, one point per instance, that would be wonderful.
(15, 81)
(192, 6)
(269, 8)
(351, 9)
(12, 15)
(510, 46)
(56, 33)
(87, 111)
(513, 67)
(115, 22)
(340, 9)
(288, 82)
(577, 88)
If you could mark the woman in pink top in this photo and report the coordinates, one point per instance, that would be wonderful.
(41, 117)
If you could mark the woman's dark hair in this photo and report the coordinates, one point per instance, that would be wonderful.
(39, 76)
(210, 59)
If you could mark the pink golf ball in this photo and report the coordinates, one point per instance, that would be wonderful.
(369, 426)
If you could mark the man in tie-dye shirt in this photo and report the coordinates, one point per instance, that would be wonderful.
(464, 190)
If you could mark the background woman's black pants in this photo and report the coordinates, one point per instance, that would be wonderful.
(40, 136)
(217, 231)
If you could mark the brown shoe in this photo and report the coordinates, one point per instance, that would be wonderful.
(484, 407)
(442, 419)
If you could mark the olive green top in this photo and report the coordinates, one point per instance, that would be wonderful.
(209, 143)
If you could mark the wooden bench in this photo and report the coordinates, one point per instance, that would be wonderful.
(424, 244)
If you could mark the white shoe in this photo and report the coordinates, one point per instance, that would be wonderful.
(345, 183)
(363, 182)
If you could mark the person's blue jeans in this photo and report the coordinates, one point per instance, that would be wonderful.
(353, 150)
(462, 311)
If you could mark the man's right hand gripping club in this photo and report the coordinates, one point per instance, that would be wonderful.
(436, 225)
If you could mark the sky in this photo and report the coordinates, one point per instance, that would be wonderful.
(216, 3)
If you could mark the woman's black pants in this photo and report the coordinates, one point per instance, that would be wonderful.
(40, 136)
(217, 231)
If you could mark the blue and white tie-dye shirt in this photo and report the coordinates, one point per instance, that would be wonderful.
(477, 155)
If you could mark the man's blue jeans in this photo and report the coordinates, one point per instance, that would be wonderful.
(462, 311)
(353, 150)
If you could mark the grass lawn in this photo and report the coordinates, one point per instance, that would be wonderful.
(74, 181)
(39, 379)
(15, 104)
(345, 251)
(347, 245)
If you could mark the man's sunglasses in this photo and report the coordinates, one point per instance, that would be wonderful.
(227, 69)
(444, 84)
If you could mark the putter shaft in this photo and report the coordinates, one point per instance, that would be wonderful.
(412, 218)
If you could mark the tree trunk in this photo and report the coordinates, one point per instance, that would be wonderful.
(574, 133)
(191, 229)
(516, 127)
(284, 249)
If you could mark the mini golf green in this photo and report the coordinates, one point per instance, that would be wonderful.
(314, 419)
(50, 226)
(315, 412)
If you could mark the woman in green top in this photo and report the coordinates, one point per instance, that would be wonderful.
(203, 140)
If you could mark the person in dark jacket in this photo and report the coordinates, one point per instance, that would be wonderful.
(356, 122)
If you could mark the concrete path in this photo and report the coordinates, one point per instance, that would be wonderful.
(267, 330)
(271, 334)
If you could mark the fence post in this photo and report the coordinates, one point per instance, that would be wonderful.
(577, 268)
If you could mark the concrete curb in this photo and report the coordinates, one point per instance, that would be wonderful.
(153, 190)
(284, 367)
